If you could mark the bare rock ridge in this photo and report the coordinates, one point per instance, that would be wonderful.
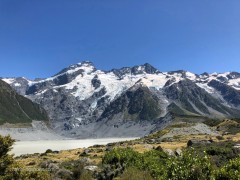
(82, 101)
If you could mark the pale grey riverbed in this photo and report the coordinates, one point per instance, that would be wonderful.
(30, 147)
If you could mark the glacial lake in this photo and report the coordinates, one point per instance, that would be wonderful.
(40, 146)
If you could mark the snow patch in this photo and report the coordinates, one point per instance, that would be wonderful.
(9, 80)
(17, 85)
(223, 74)
(235, 83)
(190, 75)
(94, 105)
(79, 119)
(206, 87)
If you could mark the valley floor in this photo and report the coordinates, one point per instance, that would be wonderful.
(29, 132)
(220, 140)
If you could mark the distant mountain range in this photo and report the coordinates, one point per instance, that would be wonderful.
(82, 101)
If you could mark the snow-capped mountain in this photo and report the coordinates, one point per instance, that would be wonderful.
(85, 102)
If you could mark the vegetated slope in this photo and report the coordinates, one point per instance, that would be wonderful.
(82, 99)
(15, 108)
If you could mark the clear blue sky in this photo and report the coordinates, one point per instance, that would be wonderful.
(40, 37)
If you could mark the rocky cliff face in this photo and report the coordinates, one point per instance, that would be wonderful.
(137, 103)
(85, 102)
(195, 100)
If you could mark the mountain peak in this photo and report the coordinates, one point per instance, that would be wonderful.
(87, 65)
(135, 70)
(177, 72)
(233, 75)
(184, 74)
(149, 69)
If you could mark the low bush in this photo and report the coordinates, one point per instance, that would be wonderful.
(9, 169)
(188, 166)
(220, 153)
(86, 175)
(154, 162)
(122, 156)
(133, 173)
(159, 165)
(212, 122)
(231, 171)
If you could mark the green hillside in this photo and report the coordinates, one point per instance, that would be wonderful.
(15, 108)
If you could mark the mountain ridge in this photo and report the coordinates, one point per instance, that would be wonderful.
(80, 96)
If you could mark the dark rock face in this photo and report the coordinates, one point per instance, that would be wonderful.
(134, 104)
(169, 82)
(36, 87)
(145, 104)
(233, 75)
(63, 107)
(73, 67)
(146, 68)
(222, 79)
(61, 79)
(230, 94)
(178, 72)
(204, 74)
(115, 107)
(185, 92)
(195, 99)
(96, 82)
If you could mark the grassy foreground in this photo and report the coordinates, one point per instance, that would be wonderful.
(157, 156)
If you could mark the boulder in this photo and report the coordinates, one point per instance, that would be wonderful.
(169, 152)
(193, 142)
(85, 161)
(159, 148)
(91, 168)
(178, 152)
(64, 174)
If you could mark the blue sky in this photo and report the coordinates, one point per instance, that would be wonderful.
(40, 37)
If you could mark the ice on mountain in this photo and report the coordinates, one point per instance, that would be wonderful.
(9, 80)
(17, 84)
(190, 75)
